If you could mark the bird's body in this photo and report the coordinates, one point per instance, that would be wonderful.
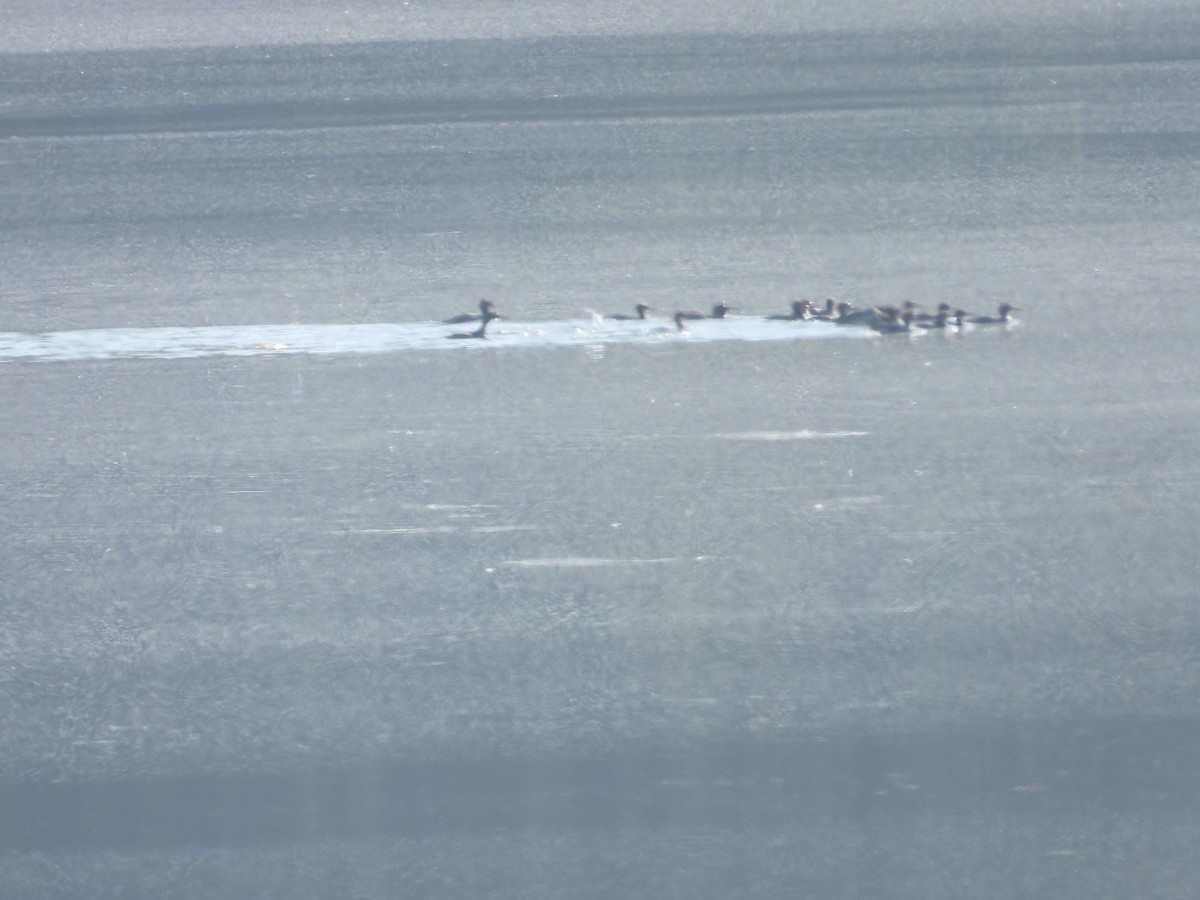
(718, 312)
(941, 320)
(485, 307)
(943, 310)
(897, 325)
(849, 315)
(1005, 317)
(801, 309)
(478, 333)
(828, 314)
(641, 308)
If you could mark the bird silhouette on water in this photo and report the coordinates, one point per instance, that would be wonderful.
(1005, 317)
(801, 309)
(718, 312)
(480, 332)
(641, 308)
(485, 307)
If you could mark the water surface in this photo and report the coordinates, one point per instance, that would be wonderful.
(303, 599)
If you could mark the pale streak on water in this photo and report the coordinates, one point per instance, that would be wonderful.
(569, 562)
(804, 435)
(271, 340)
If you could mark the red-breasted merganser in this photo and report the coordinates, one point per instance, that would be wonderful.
(718, 312)
(919, 317)
(801, 309)
(901, 323)
(641, 308)
(479, 332)
(829, 313)
(941, 320)
(1005, 317)
(894, 313)
(485, 307)
(850, 315)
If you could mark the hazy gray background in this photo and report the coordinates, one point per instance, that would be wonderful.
(586, 610)
(64, 25)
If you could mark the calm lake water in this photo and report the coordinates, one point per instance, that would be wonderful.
(301, 599)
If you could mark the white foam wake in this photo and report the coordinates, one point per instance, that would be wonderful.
(273, 340)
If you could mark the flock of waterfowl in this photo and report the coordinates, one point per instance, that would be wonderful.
(883, 319)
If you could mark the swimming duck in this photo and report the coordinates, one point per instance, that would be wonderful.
(828, 314)
(852, 315)
(479, 332)
(896, 325)
(641, 308)
(1005, 317)
(801, 309)
(718, 312)
(485, 307)
(942, 309)
(941, 320)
